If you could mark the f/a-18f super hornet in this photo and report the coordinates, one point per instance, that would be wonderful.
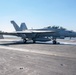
(44, 34)
(29, 34)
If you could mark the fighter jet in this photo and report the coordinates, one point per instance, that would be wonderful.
(60, 33)
(29, 34)
(44, 34)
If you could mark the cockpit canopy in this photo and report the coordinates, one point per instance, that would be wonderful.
(54, 27)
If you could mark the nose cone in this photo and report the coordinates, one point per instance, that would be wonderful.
(75, 34)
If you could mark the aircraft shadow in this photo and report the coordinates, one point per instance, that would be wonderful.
(22, 43)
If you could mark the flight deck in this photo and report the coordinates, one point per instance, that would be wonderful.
(17, 58)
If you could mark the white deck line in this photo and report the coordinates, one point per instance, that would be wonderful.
(40, 52)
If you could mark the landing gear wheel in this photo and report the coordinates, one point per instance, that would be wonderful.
(34, 41)
(24, 40)
(54, 42)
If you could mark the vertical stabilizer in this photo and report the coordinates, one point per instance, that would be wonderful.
(23, 26)
(17, 28)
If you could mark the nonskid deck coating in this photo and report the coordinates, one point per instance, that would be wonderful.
(40, 61)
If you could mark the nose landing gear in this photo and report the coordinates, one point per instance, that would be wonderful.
(34, 41)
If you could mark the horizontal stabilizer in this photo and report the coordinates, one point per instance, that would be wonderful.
(1, 37)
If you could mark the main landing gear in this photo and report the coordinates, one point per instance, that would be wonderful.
(54, 41)
(34, 41)
(24, 40)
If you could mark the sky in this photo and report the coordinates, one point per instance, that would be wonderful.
(38, 13)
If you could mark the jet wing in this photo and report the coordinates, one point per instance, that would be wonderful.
(27, 32)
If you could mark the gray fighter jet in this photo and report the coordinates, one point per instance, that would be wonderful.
(44, 34)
